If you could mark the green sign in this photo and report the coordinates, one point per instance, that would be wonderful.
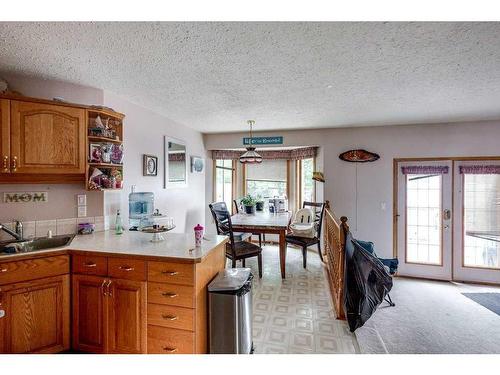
(276, 140)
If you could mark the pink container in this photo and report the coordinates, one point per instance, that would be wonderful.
(198, 234)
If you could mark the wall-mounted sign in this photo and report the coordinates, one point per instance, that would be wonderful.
(276, 140)
(26, 197)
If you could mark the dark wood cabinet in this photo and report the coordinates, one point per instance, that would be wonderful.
(37, 315)
(4, 136)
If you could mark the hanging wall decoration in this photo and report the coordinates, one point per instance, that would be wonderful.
(359, 156)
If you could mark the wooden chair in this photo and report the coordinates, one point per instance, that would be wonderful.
(235, 250)
(262, 236)
(305, 242)
(238, 236)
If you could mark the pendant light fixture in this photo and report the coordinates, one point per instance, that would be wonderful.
(250, 156)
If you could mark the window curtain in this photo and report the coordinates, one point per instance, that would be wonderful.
(479, 169)
(289, 154)
(425, 169)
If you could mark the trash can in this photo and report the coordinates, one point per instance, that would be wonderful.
(230, 306)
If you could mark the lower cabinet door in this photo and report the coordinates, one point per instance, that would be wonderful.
(127, 318)
(89, 313)
(37, 316)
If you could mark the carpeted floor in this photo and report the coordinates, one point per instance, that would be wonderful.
(432, 317)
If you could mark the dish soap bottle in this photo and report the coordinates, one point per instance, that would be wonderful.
(118, 223)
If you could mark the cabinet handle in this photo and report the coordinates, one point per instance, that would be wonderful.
(110, 291)
(2, 270)
(170, 273)
(170, 317)
(169, 294)
(6, 163)
(90, 265)
(103, 287)
(170, 350)
(14, 164)
(126, 268)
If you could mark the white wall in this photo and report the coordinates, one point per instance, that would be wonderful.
(375, 180)
(143, 134)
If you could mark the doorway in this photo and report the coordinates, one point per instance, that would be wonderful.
(447, 219)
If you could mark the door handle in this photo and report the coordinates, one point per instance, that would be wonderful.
(6, 163)
(14, 164)
(447, 214)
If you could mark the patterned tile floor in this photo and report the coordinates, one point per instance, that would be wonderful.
(295, 315)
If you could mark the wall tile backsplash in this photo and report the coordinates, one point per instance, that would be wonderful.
(40, 228)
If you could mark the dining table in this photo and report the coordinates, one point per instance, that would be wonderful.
(265, 222)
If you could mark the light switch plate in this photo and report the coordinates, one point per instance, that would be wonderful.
(82, 211)
(81, 199)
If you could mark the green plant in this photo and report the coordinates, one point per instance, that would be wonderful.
(259, 199)
(248, 200)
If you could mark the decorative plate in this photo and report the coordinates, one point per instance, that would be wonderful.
(359, 156)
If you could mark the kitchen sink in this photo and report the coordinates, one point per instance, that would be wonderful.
(42, 243)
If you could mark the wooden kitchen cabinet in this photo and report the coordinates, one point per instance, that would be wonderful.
(89, 313)
(4, 136)
(127, 324)
(37, 316)
(47, 138)
(109, 315)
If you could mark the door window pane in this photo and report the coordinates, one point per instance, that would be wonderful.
(423, 219)
(481, 220)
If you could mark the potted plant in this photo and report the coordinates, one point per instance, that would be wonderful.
(249, 204)
(259, 203)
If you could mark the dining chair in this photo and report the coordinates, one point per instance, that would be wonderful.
(262, 236)
(304, 242)
(238, 236)
(235, 250)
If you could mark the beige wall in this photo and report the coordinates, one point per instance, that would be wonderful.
(374, 186)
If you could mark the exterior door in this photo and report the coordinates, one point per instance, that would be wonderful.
(127, 316)
(46, 138)
(423, 217)
(89, 313)
(36, 316)
(4, 136)
(477, 217)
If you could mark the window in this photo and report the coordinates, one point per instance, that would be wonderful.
(481, 220)
(267, 180)
(224, 175)
(306, 181)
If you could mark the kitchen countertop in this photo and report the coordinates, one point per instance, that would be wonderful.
(176, 247)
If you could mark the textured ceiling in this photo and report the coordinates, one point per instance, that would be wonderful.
(214, 76)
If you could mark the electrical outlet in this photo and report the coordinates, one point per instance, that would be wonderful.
(82, 211)
(81, 199)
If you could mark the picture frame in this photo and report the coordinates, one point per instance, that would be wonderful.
(149, 165)
(95, 153)
(197, 164)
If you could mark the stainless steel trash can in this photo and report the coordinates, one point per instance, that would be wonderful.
(230, 306)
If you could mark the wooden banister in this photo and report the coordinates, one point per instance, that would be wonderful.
(334, 236)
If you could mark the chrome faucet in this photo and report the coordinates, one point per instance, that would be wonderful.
(18, 234)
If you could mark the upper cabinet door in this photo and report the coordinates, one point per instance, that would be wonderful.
(4, 136)
(46, 138)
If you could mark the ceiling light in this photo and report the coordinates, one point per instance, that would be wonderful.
(250, 156)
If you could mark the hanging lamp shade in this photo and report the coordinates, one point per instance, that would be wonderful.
(318, 176)
(250, 156)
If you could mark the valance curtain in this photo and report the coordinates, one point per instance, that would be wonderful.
(289, 154)
(479, 169)
(425, 169)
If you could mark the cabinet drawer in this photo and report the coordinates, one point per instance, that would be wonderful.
(171, 294)
(171, 316)
(90, 265)
(129, 269)
(174, 273)
(169, 341)
(29, 269)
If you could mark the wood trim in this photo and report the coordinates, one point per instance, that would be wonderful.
(35, 178)
(244, 178)
(4, 135)
(288, 182)
(234, 186)
(298, 181)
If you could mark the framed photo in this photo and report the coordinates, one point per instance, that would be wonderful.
(95, 153)
(197, 164)
(149, 165)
